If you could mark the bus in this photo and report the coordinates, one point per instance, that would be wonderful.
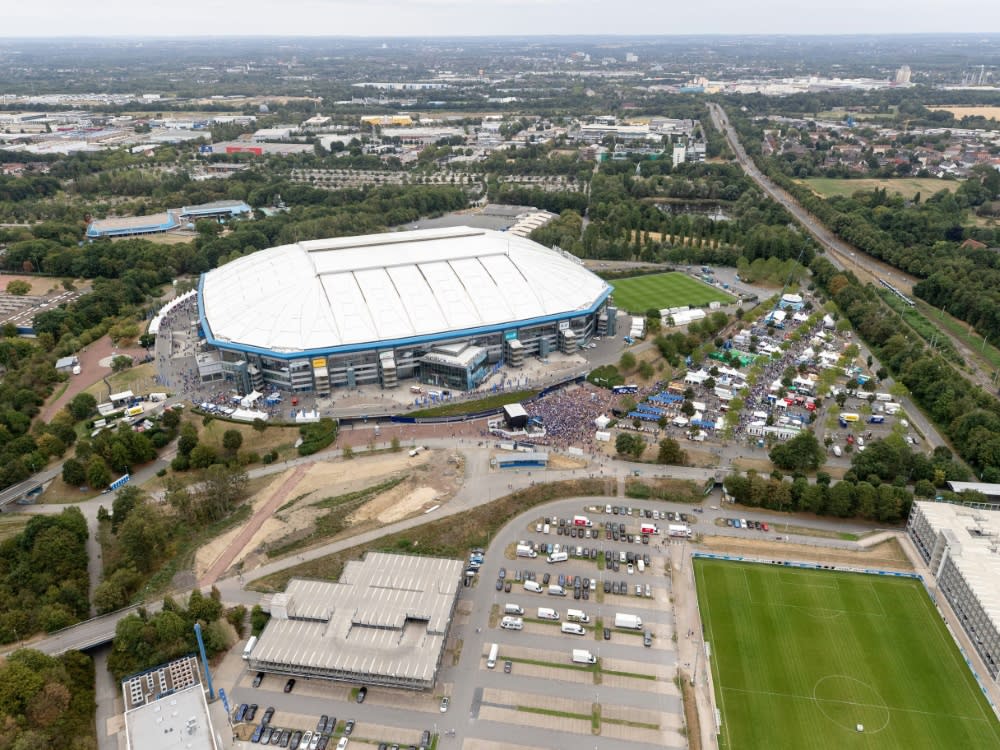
(249, 647)
(849, 417)
(625, 389)
(491, 660)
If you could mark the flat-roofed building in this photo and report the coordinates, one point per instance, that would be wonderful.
(961, 546)
(385, 622)
(165, 708)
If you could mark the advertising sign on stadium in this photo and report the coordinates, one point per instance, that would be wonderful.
(319, 362)
(563, 325)
(509, 335)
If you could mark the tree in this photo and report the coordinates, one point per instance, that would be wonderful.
(671, 453)
(232, 440)
(82, 406)
(74, 473)
(121, 362)
(18, 288)
(631, 445)
(627, 361)
(801, 453)
(98, 475)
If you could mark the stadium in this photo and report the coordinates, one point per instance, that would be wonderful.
(443, 306)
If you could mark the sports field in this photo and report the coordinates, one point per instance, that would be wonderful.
(801, 657)
(660, 290)
(828, 187)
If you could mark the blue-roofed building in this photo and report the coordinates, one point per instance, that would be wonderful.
(215, 210)
(133, 226)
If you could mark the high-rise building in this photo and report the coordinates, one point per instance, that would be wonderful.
(903, 74)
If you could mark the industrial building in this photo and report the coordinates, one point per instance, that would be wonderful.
(165, 708)
(961, 546)
(444, 306)
(385, 622)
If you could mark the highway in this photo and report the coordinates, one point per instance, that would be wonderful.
(841, 254)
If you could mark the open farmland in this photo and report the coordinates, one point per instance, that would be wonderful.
(641, 293)
(830, 187)
(801, 658)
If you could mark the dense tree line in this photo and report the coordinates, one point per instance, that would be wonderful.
(47, 702)
(144, 640)
(964, 413)
(43, 576)
(885, 503)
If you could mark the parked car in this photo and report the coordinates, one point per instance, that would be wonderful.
(348, 728)
(241, 711)
(251, 712)
(508, 666)
(362, 694)
(268, 715)
(607, 634)
(445, 702)
(290, 685)
(258, 679)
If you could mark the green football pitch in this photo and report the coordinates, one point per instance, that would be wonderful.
(800, 658)
(660, 290)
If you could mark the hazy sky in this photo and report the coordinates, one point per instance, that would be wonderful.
(386, 18)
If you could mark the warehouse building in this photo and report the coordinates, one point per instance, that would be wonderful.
(165, 708)
(385, 622)
(961, 546)
(442, 306)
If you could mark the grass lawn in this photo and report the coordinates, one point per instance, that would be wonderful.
(801, 657)
(454, 408)
(641, 293)
(828, 187)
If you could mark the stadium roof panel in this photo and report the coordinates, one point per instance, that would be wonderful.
(345, 293)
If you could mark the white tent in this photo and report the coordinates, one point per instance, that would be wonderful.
(602, 422)
(250, 399)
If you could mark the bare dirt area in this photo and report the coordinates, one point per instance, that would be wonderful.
(559, 462)
(430, 479)
(40, 285)
(888, 554)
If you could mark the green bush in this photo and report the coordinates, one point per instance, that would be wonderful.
(317, 435)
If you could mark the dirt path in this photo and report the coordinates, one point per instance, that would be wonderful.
(91, 371)
(222, 563)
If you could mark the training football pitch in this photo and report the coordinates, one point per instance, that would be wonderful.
(660, 290)
(801, 657)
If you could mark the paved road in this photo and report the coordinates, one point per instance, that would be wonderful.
(839, 252)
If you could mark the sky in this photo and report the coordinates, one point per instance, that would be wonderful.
(389, 18)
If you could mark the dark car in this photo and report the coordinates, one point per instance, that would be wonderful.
(607, 556)
(323, 742)
(562, 579)
(362, 694)
(251, 712)
(348, 728)
(607, 587)
(645, 538)
(502, 573)
(321, 724)
(268, 715)
(425, 738)
(265, 737)
(586, 594)
(507, 666)
(499, 584)
(241, 711)
(607, 533)
(286, 736)
(276, 736)
(290, 685)
(258, 679)
(295, 739)
(607, 634)
(577, 593)
(614, 510)
(645, 559)
(255, 737)
(586, 583)
(331, 725)
(545, 578)
(506, 586)
(577, 581)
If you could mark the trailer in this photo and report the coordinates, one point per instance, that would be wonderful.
(582, 521)
(249, 647)
(524, 550)
(679, 530)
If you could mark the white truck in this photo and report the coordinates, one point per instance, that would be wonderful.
(512, 623)
(513, 609)
(632, 622)
(547, 613)
(582, 656)
(525, 550)
(491, 660)
(577, 615)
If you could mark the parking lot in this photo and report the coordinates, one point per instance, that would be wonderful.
(535, 694)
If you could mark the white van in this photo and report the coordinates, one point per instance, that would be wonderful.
(577, 615)
(513, 609)
(556, 590)
(557, 557)
(547, 613)
(491, 660)
(641, 565)
(512, 623)
(573, 628)
(545, 528)
(533, 586)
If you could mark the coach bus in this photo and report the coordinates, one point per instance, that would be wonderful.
(625, 389)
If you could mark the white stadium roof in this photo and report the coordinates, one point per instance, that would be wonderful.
(322, 295)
